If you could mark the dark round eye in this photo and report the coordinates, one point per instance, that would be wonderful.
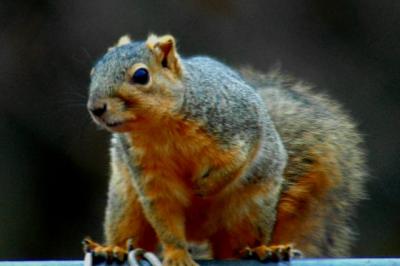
(141, 76)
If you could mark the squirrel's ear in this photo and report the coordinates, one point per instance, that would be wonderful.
(164, 48)
(125, 39)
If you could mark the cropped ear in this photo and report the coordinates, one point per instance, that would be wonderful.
(125, 39)
(164, 49)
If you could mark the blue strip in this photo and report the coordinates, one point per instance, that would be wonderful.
(297, 262)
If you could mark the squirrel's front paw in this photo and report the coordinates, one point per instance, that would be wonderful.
(100, 253)
(271, 253)
(96, 253)
(179, 257)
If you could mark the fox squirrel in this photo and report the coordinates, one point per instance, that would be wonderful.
(253, 164)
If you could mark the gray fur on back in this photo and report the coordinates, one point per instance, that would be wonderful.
(306, 120)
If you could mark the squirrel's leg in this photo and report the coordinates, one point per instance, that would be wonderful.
(162, 207)
(124, 220)
(306, 216)
(245, 218)
(250, 223)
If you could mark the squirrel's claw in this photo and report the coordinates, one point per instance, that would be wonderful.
(271, 253)
(96, 253)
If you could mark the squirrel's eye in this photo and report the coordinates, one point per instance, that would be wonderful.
(141, 76)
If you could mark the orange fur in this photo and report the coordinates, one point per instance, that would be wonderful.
(236, 221)
(225, 244)
(133, 223)
(297, 216)
(175, 153)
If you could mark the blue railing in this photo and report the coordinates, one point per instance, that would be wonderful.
(296, 262)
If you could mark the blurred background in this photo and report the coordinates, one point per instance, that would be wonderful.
(54, 162)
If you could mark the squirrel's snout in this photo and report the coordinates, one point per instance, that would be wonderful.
(110, 113)
(98, 111)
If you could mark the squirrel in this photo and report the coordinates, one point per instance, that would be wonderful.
(256, 165)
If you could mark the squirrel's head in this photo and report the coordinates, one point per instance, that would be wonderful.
(134, 82)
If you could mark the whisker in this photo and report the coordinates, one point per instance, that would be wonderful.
(89, 56)
(75, 93)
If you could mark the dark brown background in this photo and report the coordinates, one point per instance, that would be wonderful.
(53, 160)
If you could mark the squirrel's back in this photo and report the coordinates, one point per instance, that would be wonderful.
(320, 138)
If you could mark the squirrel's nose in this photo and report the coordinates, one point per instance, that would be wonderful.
(98, 111)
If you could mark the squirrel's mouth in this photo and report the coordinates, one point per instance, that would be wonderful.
(118, 126)
(114, 124)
